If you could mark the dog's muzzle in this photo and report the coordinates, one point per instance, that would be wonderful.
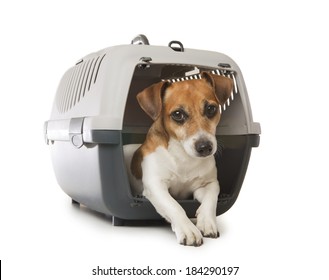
(204, 147)
(202, 144)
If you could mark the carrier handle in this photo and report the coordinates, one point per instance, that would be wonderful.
(140, 39)
(177, 49)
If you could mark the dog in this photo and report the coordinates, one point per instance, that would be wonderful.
(176, 161)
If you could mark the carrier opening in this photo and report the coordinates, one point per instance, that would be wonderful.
(233, 150)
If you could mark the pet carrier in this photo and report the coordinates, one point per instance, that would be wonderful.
(95, 113)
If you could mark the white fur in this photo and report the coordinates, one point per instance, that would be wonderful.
(170, 174)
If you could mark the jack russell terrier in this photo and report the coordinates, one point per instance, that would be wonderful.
(176, 160)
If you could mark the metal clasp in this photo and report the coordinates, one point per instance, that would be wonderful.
(140, 40)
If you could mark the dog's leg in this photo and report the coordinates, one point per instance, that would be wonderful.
(186, 232)
(206, 213)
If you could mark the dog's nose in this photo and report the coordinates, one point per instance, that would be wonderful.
(203, 147)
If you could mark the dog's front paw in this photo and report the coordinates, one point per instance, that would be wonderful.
(188, 234)
(207, 226)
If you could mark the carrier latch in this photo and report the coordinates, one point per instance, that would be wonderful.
(45, 128)
(75, 132)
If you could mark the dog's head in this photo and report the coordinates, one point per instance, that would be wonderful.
(189, 110)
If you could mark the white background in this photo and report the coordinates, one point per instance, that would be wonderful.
(277, 229)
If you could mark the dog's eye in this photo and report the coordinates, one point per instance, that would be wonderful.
(211, 110)
(179, 116)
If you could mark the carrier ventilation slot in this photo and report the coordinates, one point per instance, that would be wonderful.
(222, 72)
(77, 82)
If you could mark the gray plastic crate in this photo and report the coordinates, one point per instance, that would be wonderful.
(95, 113)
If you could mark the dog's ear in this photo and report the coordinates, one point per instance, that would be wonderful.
(150, 99)
(223, 86)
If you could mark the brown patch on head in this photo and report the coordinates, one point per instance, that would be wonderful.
(150, 99)
(191, 101)
(223, 86)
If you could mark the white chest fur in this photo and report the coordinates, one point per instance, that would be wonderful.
(180, 173)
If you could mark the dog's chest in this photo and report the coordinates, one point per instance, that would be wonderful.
(181, 173)
(184, 180)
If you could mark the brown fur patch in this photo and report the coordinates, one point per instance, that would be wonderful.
(136, 164)
(155, 137)
(191, 96)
